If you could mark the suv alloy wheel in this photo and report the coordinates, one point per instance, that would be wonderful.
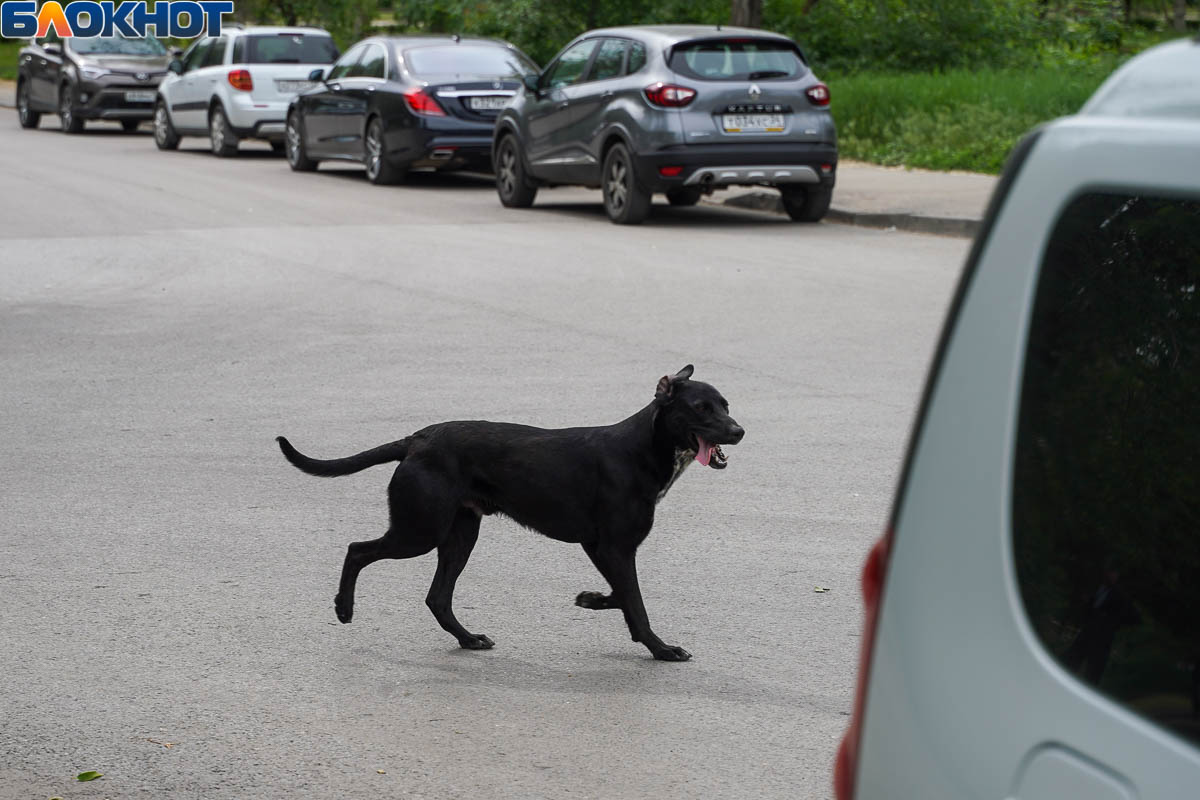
(29, 118)
(625, 200)
(165, 136)
(512, 183)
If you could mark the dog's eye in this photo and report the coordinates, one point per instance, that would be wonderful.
(704, 407)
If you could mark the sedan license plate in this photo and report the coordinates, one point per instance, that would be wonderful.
(752, 123)
(488, 103)
(292, 87)
(144, 96)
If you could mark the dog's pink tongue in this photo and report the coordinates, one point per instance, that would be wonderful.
(704, 453)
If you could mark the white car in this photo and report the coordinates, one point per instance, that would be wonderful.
(238, 85)
(1033, 610)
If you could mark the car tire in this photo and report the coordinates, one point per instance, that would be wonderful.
(806, 203)
(293, 141)
(512, 182)
(68, 119)
(27, 116)
(221, 138)
(165, 136)
(684, 196)
(130, 125)
(626, 201)
(380, 171)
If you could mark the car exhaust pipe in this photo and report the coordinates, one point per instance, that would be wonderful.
(442, 153)
(706, 183)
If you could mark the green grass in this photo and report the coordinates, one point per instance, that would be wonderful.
(961, 119)
(8, 58)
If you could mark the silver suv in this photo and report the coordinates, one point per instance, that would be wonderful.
(676, 109)
(1032, 611)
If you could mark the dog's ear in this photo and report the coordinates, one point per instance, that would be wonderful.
(666, 385)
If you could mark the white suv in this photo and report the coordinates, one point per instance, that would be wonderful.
(1033, 612)
(238, 85)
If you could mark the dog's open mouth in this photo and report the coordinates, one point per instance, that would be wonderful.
(710, 455)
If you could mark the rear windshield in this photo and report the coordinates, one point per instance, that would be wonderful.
(288, 48)
(737, 60)
(117, 45)
(469, 59)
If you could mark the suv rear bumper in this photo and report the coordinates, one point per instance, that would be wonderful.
(730, 165)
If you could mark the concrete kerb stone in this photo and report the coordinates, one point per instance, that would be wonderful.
(915, 223)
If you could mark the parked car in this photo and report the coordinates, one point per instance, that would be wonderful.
(403, 103)
(80, 79)
(238, 85)
(1031, 628)
(681, 110)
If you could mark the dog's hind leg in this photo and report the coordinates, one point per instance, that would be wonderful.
(619, 568)
(362, 554)
(420, 518)
(453, 553)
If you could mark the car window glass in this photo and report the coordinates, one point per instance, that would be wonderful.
(570, 65)
(343, 66)
(610, 60)
(239, 50)
(637, 57)
(194, 57)
(216, 52)
(373, 63)
(1106, 476)
(290, 48)
(489, 60)
(737, 60)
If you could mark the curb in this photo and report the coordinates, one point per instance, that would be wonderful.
(902, 221)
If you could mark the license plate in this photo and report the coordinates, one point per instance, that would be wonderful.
(139, 97)
(292, 87)
(487, 103)
(752, 123)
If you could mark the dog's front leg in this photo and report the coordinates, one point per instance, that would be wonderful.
(619, 568)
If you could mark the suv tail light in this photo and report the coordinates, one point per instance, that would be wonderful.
(874, 569)
(668, 95)
(422, 102)
(818, 95)
(240, 79)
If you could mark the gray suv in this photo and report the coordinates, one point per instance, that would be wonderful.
(676, 109)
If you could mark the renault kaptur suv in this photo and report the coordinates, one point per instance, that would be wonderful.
(680, 110)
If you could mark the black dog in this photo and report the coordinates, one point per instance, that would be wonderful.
(596, 486)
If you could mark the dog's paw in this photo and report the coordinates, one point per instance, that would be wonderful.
(593, 600)
(477, 642)
(344, 610)
(669, 653)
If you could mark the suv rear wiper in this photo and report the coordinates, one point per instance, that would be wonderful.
(768, 73)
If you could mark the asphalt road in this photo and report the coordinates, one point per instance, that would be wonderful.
(168, 579)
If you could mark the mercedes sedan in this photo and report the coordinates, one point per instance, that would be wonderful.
(398, 104)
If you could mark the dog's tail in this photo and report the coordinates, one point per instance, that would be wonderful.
(392, 451)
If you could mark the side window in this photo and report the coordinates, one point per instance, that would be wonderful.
(570, 65)
(239, 50)
(373, 64)
(637, 57)
(1106, 480)
(195, 57)
(610, 60)
(343, 66)
(216, 52)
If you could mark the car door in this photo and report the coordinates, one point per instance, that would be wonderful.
(363, 80)
(321, 107)
(45, 64)
(186, 96)
(588, 100)
(549, 116)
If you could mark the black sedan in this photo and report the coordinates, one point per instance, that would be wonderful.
(403, 103)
